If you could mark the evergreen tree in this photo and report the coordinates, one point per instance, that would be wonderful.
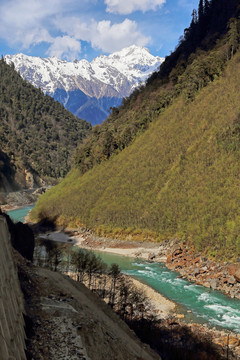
(200, 11)
(206, 7)
(233, 36)
(194, 17)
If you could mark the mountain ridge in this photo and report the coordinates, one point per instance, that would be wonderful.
(83, 86)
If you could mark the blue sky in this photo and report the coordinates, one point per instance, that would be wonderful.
(76, 29)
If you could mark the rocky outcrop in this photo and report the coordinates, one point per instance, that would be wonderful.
(197, 268)
(15, 199)
(12, 334)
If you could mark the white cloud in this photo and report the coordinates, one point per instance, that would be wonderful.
(114, 37)
(24, 22)
(65, 47)
(103, 34)
(125, 7)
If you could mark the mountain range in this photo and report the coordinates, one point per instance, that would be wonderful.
(89, 89)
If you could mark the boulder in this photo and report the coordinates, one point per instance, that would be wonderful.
(237, 275)
(180, 316)
(214, 283)
(232, 280)
(196, 271)
(169, 258)
(151, 256)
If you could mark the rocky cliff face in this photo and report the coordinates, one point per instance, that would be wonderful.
(89, 89)
(15, 177)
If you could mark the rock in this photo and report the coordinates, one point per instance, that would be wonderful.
(207, 284)
(138, 253)
(151, 256)
(196, 271)
(237, 275)
(232, 341)
(232, 280)
(180, 316)
(173, 242)
(162, 259)
(177, 252)
(197, 259)
(214, 283)
(176, 247)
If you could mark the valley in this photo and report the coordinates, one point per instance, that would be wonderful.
(197, 307)
(125, 170)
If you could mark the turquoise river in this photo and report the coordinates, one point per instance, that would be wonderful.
(206, 306)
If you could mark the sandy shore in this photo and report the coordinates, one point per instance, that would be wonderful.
(131, 249)
(160, 305)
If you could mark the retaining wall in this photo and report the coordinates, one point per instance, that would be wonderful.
(12, 334)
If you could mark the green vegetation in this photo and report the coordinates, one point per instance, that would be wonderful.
(35, 131)
(200, 57)
(179, 177)
(83, 265)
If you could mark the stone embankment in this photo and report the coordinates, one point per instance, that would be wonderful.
(12, 334)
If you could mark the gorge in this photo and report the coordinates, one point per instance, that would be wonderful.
(206, 305)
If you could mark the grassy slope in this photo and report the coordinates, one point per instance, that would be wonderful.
(177, 179)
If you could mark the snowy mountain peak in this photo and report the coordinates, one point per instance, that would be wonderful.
(106, 77)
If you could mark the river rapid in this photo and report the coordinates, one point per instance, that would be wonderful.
(196, 302)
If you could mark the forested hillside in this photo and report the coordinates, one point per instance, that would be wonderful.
(180, 177)
(36, 133)
(200, 57)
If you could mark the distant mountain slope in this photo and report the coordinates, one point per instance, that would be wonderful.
(180, 178)
(89, 89)
(37, 134)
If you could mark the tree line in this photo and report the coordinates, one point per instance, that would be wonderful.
(86, 267)
(170, 339)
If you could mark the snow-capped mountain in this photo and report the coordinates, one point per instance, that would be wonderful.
(89, 89)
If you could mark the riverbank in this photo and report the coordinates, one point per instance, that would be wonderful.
(224, 277)
(163, 308)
